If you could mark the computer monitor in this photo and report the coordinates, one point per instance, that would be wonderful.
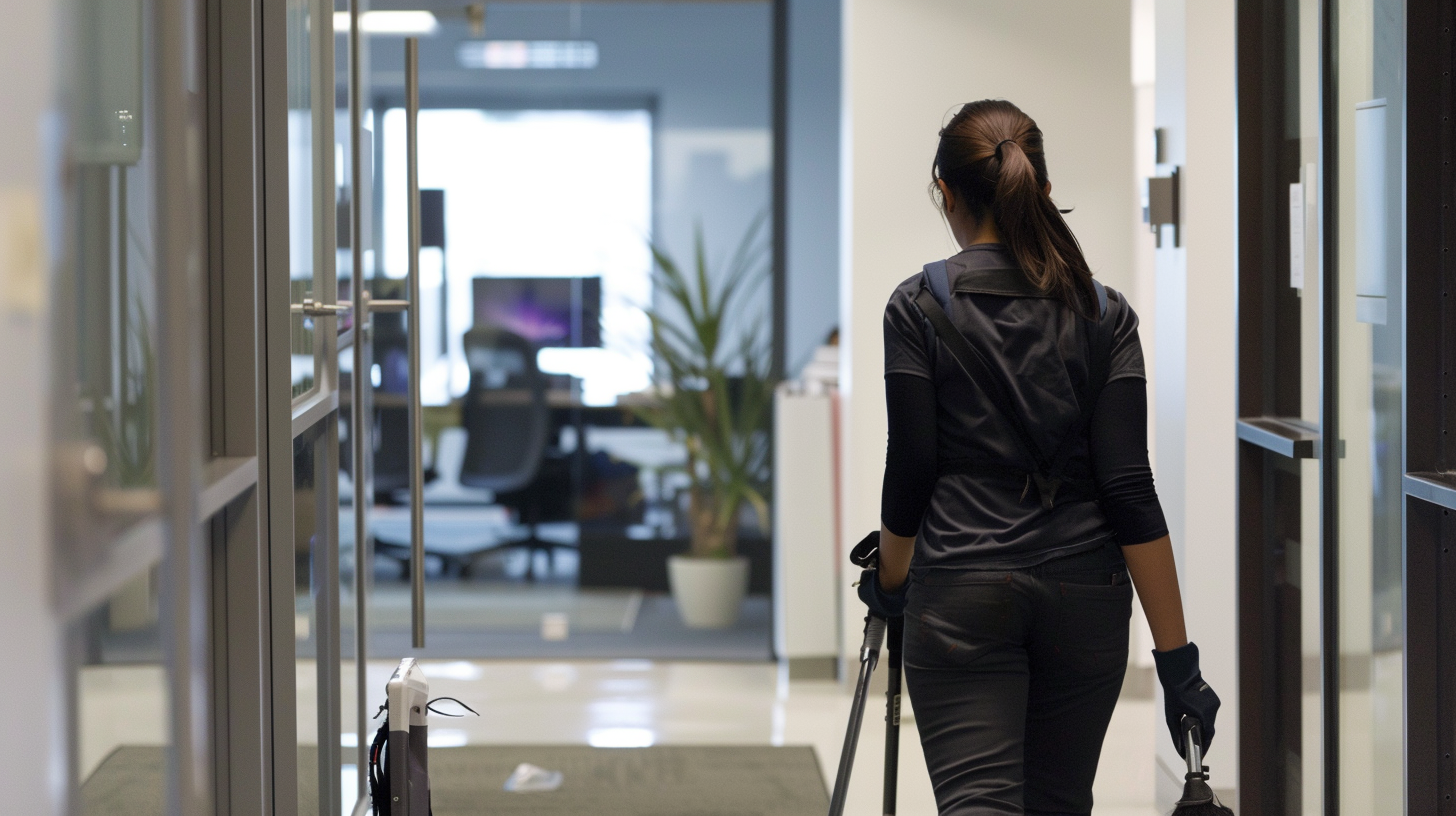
(551, 312)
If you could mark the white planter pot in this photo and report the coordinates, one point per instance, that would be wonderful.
(708, 591)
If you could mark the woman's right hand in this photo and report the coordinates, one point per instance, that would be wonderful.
(1185, 693)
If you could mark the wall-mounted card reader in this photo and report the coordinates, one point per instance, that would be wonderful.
(1163, 206)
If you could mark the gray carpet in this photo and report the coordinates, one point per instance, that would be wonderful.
(659, 634)
(658, 781)
(459, 606)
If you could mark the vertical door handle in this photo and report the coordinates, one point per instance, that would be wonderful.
(412, 316)
(360, 389)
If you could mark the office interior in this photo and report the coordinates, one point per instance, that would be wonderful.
(276, 423)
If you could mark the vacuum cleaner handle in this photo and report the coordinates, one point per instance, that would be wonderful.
(869, 655)
(1193, 746)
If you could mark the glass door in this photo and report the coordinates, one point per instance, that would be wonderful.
(310, 767)
(127, 420)
(1280, 401)
(364, 311)
(1324, 685)
(1368, 115)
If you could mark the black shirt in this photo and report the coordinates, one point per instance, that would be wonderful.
(1040, 349)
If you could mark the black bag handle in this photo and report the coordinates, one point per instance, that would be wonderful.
(1048, 473)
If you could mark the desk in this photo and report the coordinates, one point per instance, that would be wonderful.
(555, 398)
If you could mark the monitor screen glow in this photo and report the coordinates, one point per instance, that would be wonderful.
(550, 312)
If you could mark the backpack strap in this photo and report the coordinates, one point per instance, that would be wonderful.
(1048, 474)
(938, 278)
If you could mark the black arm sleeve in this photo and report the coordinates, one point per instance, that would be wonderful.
(910, 457)
(1119, 439)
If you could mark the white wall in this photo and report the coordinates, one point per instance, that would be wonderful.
(1195, 337)
(32, 758)
(908, 64)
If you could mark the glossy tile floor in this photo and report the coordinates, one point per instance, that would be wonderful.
(631, 702)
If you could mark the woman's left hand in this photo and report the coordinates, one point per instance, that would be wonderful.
(881, 603)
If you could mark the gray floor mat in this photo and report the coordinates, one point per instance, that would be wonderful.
(659, 781)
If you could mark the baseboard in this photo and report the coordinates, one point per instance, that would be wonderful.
(813, 668)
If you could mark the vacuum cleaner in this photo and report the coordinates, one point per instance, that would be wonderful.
(1198, 798)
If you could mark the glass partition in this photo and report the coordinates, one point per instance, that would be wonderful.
(122, 702)
(1370, 309)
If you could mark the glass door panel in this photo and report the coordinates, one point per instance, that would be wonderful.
(311, 194)
(116, 163)
(1304, 719)
(1369, 117)
(1280, 403)
(313, 155)
(316, 622)
(106, 315)
(122, 700)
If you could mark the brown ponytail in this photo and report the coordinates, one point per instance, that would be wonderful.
(991, 157)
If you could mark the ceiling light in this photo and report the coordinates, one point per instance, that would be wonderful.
(516, 54)
(400, 23)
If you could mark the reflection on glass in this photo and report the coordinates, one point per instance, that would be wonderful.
(106, 365)
(1370, 118)
(305, 617)
(355, 738)
(1304, 723)
(493, 173)
(122, 703)
(315, 621)
(113, 248)
(311, 159)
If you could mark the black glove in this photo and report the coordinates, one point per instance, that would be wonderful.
(1185, 692)
(866, 555)
(881, 603)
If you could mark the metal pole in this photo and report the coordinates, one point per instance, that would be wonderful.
(894, 640)
(869, 655)
(412, 316)
(358, 417)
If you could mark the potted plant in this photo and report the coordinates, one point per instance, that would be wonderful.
(715, 396)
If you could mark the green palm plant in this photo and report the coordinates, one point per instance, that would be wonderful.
(127, 432)
(714, 389)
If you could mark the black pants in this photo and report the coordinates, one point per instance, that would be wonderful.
(1013, 677)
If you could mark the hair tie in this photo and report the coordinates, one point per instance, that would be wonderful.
(998, 147)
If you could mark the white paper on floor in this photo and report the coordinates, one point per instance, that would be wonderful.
(528, 778)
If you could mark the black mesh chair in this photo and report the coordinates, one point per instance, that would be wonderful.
(507, 422)
(391, 419)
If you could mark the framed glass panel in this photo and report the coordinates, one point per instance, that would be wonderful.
(312, 197)
(1280, 403)
(1301, 619)
(128, 239)
(316, 626)
(106, 305)
(122, 695)
(1369, 117)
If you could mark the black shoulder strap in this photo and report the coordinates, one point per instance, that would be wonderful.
(973, 363)
(1048, 474)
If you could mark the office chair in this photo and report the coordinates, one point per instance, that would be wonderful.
(391, 420)
(507, 422)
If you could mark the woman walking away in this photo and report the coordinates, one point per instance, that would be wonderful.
(1018, 502)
